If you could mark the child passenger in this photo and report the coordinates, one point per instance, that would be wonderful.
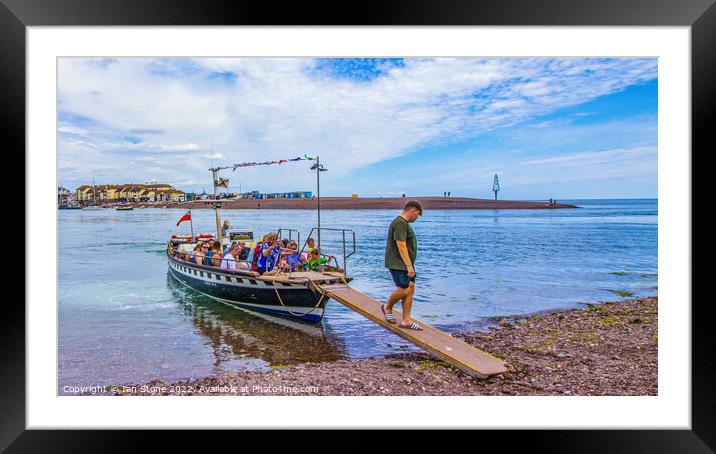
(294, 261)
(315, 260)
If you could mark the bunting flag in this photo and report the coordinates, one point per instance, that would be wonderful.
(305, 157)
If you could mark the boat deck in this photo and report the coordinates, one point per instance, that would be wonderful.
(313, 276)
(442, 345)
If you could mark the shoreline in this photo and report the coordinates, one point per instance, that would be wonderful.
(360, 203)
(609, 348)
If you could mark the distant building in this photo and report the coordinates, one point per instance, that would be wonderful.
(281, 195)
(129, 193)
(63, 196)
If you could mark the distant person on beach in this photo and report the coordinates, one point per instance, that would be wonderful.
(400, 252)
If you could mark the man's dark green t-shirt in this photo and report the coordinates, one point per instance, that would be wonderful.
(400, 230)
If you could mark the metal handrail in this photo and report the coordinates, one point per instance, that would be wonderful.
(190, 254)
(290, 231)
(345, 256)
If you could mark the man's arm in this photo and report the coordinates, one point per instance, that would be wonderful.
(403, 250)
(269, 250)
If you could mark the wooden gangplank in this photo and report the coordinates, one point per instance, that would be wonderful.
(465, 357)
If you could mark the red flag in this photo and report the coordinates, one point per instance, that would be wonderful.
(186, 217)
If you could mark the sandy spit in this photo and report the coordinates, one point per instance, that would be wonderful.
(362, 203)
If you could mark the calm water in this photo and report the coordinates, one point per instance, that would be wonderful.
(122, 319)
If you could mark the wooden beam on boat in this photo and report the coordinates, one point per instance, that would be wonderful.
(462, 355)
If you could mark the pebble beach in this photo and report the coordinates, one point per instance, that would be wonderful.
(602, 349)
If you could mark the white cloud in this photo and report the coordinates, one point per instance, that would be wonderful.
(230, 109)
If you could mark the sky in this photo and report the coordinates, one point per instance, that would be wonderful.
(564, 128)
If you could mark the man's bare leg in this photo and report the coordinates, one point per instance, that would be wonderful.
(408, 304)
(397, 295)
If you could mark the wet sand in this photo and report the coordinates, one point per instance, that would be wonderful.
(364, 203)
(604, 349)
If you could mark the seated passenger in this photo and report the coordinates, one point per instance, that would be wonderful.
(310, 243)
(228, 262)
(197, 254)
(201, 258)
(216, 257)
(210, 251)
(228, 248)
(244, 254)
(243, 266)
(191, 258)
(256, 255)
(294, 261)
(315, 260)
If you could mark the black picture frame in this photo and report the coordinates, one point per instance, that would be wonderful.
(700, 15)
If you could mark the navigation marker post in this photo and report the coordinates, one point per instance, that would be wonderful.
(496, 186)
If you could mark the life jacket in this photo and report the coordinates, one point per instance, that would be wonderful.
(256, 256)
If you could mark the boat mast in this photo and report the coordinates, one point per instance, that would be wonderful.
(318, 190)
(217, 204)
(318, 168)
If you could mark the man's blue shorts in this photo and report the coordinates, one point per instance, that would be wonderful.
(400, 277)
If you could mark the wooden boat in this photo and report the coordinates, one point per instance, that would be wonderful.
(295, 294)
(124, 208)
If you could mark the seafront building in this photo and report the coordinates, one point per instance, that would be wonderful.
(154, 192)
(253, 195)
(276, 195)
(64, 197)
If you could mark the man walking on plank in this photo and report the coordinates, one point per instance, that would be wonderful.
(400, 252)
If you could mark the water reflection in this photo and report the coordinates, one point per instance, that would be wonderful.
(236, 333)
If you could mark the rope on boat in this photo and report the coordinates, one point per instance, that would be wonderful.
(273, 278)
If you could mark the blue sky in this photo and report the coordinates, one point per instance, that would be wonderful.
(562, 128)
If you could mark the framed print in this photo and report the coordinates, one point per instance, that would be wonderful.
(381, 220)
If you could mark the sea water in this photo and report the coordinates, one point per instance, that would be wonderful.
(124, 320)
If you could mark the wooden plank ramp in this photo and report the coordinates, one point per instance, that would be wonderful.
(465, 357)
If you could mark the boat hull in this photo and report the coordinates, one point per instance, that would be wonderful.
(297, 301)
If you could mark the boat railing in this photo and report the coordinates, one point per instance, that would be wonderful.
(280, 231)
(346, 234)
(175, 253)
